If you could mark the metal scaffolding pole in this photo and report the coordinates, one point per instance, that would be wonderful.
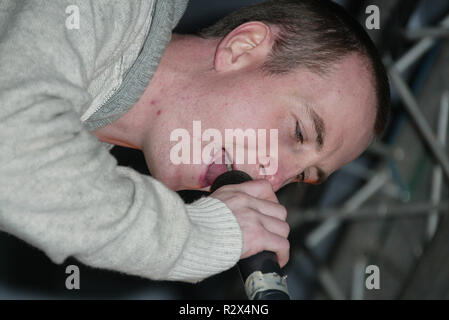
(353, 204)
(437, 179)
(416, 52)
(412, 107)
(382, 211)
(427, 33)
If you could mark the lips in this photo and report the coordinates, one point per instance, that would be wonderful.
(214, 170)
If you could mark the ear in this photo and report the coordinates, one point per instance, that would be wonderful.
(247, 45)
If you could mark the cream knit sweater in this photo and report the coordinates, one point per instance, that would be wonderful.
(60, 189)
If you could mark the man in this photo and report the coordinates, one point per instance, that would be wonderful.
(301, 67)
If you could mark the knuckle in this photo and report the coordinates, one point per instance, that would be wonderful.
(282, 212)
(286, 229)
(243, 197)
(287, 245)
(265, 186)
(238, 200)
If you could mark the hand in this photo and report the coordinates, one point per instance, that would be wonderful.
(260, 216)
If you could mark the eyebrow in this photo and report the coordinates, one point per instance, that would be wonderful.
(320, 129)
(318, 126)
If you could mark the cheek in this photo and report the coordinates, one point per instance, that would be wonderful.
(269, 117)
(276, 136)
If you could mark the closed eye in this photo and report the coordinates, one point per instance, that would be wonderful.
(298, 133)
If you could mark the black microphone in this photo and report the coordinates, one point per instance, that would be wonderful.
(261, 273)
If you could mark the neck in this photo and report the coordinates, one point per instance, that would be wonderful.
(173, 73)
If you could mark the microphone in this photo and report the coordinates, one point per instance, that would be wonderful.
(261, 273)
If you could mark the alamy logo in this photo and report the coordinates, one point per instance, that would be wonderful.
(373, 279)
(73, 20)
(373, 20)
(72, 282)
(188, 149)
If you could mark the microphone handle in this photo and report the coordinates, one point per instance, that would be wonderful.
(261, 273)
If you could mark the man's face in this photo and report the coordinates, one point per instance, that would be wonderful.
(323, 123)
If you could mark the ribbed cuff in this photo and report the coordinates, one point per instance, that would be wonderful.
(215, 241)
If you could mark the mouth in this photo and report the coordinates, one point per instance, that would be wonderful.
(221, 164)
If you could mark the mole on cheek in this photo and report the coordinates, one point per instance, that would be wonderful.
(159, 112)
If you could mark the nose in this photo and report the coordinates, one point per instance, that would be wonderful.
(258, 172)
(276, 180)
(284, 174)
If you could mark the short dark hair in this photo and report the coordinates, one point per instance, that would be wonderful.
(314, 34)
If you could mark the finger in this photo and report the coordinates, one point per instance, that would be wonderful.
(278, 245)
(261, 189)
(275, 226)
(268, 208)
